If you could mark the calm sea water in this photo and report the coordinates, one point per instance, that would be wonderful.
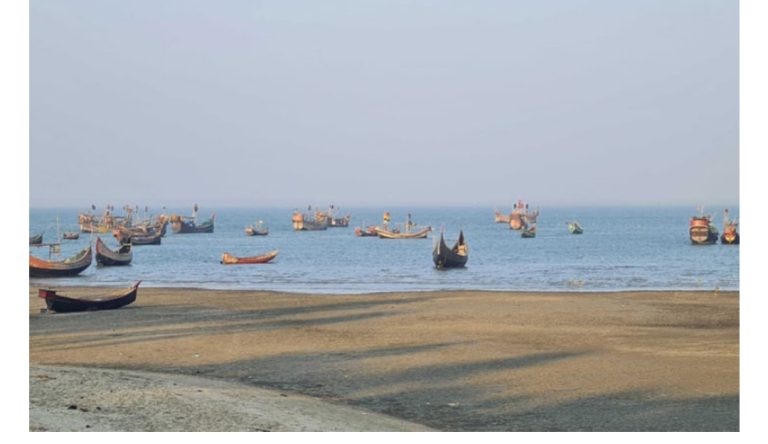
(621, 249)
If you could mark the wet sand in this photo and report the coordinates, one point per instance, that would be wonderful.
(469, 361)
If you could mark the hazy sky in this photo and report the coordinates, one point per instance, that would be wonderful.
(383, 102)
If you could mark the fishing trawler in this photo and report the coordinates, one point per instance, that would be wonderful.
(730, 230)
(701, 230)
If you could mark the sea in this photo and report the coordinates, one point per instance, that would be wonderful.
(621, 249)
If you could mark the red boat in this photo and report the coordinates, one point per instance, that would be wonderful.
(367, 232)
(228, 259)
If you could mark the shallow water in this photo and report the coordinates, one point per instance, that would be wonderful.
(621, 249)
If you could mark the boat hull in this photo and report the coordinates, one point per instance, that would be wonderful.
(228, 259)
(385, 234)
(65, 304)
(107, 257)
(70, 267)
(445, 257)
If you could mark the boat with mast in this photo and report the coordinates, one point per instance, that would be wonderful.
(730, 230)
(701, 230)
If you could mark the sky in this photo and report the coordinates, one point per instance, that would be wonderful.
(241, 102)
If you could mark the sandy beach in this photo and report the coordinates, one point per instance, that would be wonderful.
(182, 359)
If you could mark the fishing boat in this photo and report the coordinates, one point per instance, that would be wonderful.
(258, 230)
(181, 226)
(36, 239)
(410, 232)
(575, 228)
(68, 267)
(127, 236)
(499, 217)
(228, 259)
(521, 217)
(730, 230)
(309, 222)
(340, 222)
(701, 230)
(67, 304)
(528, 232)
(71, 235)
(453, 257)
(369, 231)
(397, 234)
(107, 257)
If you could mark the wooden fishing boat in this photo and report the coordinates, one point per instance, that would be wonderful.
(258, 230)
(71, 235)
(521, 217)
(228, 259)
(730, 230)
(68, 267)
(528, 232)
(500, 218)
(36, 239)
(340, 222)
(575, 228)
(130, 237)
(387, 234)
(702, 231)
(370, 231)
(454, 257)
(307, 222)
(181, 226)
(107, 257)
(67, 304)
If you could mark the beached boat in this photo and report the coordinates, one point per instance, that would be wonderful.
(257, 230)
(36, 239)
(702, 231)
(67, 304)
(453, 257)
(228, 259)
(68, 267)
(71, 235)
(528, 232)
(107, 257)
(308, 222)
(369, 231)
(575, 228)
(730, 230)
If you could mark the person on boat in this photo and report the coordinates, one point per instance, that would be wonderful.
(408, 223)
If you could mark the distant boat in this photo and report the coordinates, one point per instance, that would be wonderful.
(575, 228)
(181, 226)
(228, 259)
(387, 234)
(528, 232)
(308, 222)
(126, 236)
(65, 304)
(454, 257)
(68, 267)
(730, 230)
(369, 231)
(521, 217)
(500, 218)
(36, 239)
(71, 235)
(337, 222)
(702, 231)
(107, 257)
(257, 230)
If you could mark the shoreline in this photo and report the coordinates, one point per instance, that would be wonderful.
(373, 293)
(448, 360)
